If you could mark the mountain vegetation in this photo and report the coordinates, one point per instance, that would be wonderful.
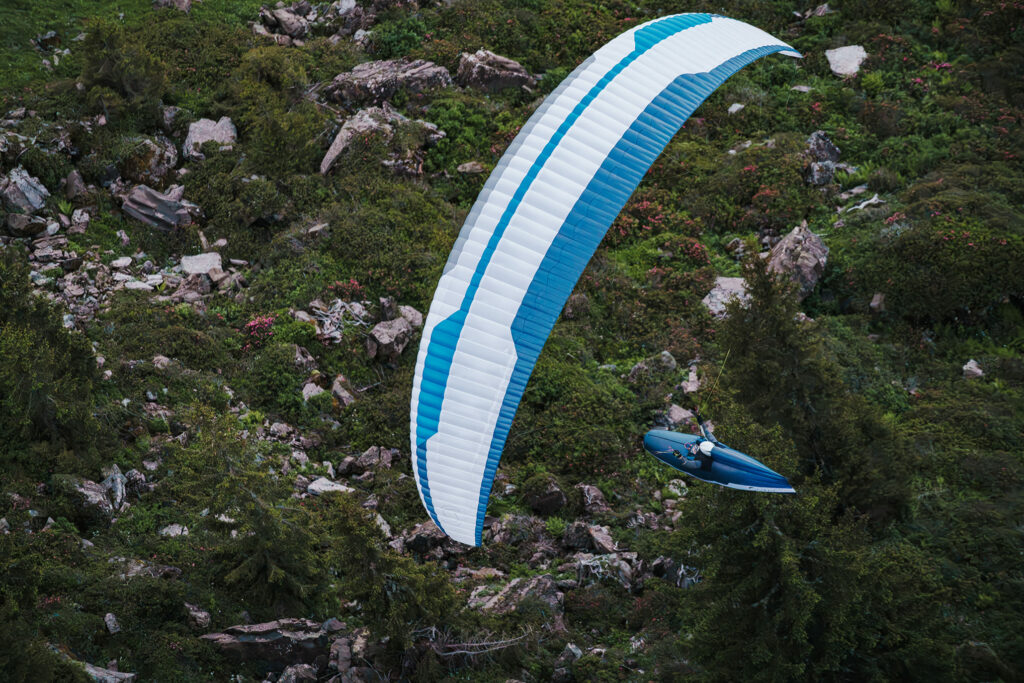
(217, 250)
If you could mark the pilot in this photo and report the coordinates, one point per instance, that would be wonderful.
(697, 454)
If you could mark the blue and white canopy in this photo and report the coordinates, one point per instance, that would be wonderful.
(531, 232)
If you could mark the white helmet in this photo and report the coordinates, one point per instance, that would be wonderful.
(705, 447)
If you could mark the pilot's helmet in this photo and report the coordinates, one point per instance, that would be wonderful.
(705, 447)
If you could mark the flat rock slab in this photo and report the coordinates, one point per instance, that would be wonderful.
(846, 60)
(201, 264)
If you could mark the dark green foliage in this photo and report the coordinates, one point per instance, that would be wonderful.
(398, 595)
(120, 74)
(397, 37)
(779, 369)
(266, 97)
(45, 379)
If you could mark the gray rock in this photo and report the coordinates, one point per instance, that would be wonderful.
(162, 210)
(172, 530)
(201, 263)
(425, 537)
(74, 185)
(414, 317)
(375, 457)
(601, 539)
(972, 370)
(150, 161)
(197, 618)
(549, 500)
(340, 393)
(542, 588)
(323, 485)
(279, 642)
(677, 415)
(802, 255)
(846, 60)
(111, 621)
(290, 23)
(471, 168)
(202, 131)
(593, 499)
(310, 390)
(725, 290)
(22, 193)
(388, 339)
(297, 673)
(25, 225)
(491, 73)
(376, 82)
(820, 148)
(877, 304)
(180, 5)
(93, 494)
(383, 121)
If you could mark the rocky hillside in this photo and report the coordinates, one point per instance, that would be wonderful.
(222, 226)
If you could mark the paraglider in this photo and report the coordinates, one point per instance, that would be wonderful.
(538, 220)
(708, 459)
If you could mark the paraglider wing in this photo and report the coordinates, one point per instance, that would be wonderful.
(531, 232)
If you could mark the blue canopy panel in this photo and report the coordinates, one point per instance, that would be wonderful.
(531, 232)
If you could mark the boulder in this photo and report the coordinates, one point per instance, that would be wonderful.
(802, 255)
(341, 393)
(111, 622)
(74, 186)
(491, 73)
(298, 673)
(376, 82)
(593, 499)
(280, 643)
(21, 193)
(134, 568)
(877, 304)
(150, 161)
(25, 225)
(677, 415)
(201, 264)
(180, 5)
(162, 210)
(972, 370)
(323, 485)
(93, 495)
(675, 572)
(846, 60)
(202, 131)
(382, 121)
(542, 588)
(824, 156)
(388, 339)
(725, 290)
(172, 530)
(198, 618)
(547, 499)
(471, 168)
(376, 457)
(414, 317)
(291, 23)
(625, 568)
(601, 539)
(425, 537)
